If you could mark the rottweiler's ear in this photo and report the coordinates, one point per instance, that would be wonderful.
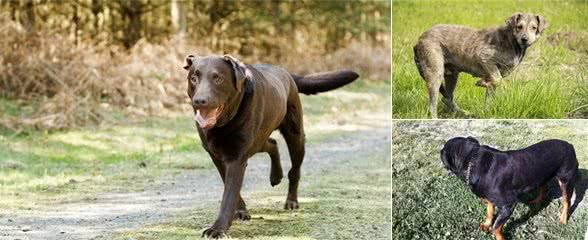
(242, 73)
(542, 23)
(473, 139)
(443, 154)
(512, 20)
(190, 59)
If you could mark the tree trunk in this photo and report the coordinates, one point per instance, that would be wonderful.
(276, 21)
(13, 8)
(96, 10)
(27, 18)
(276, 14)
(178, 17)
(113, 30)
(334, 36)
(132, 11)
(218, 10)
(76, 22)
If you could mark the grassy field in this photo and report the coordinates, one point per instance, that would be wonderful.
(430, 204)
(43, 169)
(551, 82)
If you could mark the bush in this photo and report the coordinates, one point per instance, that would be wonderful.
(68, 84)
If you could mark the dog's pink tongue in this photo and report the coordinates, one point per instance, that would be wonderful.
(199, 119)
(203, 118)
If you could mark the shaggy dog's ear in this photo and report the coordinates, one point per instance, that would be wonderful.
(512, 20)
(240, 70)
(542, 24)
(190, 59)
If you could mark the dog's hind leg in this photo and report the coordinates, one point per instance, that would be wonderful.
(241, 213)
(293, 133)
(276, 174)
(448, 88)
(430, 63)
(503, 216)
(541, 195)
(566, 178)
(567, 190)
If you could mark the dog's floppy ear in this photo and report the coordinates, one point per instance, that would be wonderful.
(443, 153)
(241, 71)
(190, 59)
(542, 23)
(473, 139)
(512, 20)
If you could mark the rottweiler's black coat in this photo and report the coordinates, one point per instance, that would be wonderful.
(499, 177)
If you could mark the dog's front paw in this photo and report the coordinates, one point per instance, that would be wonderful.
(483, 83)
(291, 205)
(242, 215)
(563, 218)
(213, 233)
(485, 227)
(490, 84)
(276, 178)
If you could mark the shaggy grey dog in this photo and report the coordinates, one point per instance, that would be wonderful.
(444, 51)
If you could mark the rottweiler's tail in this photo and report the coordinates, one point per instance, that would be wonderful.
(322, 82)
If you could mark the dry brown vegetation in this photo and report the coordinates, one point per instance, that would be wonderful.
(57, 82)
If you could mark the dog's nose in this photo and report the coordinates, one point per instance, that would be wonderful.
(524, 40)
(199, 102)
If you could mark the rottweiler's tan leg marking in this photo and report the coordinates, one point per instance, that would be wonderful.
(540, 197)
(486, 226)
(498, 233)
(563, 217)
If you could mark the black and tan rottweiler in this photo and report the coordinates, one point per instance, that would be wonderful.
(500, 177)
(236, 107)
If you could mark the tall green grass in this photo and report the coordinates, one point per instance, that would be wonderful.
(550, 83)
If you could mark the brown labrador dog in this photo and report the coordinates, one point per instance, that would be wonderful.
(237, 106)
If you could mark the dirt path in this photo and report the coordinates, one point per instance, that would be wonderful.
(113, 212)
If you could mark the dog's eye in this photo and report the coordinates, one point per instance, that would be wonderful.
(534, 28)
(520, 27)
(217, 79)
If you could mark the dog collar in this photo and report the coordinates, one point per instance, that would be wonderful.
(473, 156)
(468, 172)
(247, 93)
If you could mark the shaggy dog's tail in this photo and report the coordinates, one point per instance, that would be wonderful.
(322, 82)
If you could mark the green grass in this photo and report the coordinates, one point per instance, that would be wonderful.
(331, 208)
(40, 168)
(430, 204)
(550, 83)
(71, 164)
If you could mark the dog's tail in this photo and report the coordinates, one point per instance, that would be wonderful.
(322, 82)
(417, 62)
